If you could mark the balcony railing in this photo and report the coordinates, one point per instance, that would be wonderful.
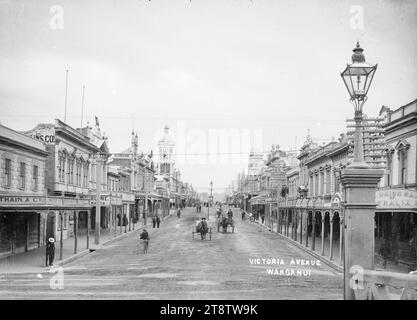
(382, 285)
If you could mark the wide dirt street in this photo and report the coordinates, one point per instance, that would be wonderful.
(178, 267)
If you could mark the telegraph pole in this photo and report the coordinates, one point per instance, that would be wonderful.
(211, 197)
(98, 200)
(145, 188)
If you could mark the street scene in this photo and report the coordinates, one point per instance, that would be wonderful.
(208, 150)
(178, 267)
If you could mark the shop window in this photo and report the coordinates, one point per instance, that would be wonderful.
(85, 173)
(67, 170)
(35, 178)
(402, 166)
(328, 177)
(78, 173)
(7, 173)
(71, 171)
(336, 181)
(22, 177)
(61, 168)
(389, 170)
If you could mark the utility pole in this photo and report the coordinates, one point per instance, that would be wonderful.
(278, 215)
(211, 198)
(145, 188)
(98, 200)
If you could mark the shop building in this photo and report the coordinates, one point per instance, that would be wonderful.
(23, 162)
(396, 213)
(28, 215)
(76, 161)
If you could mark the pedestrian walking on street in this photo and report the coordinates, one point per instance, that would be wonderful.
(263, 217)
(158, 221)
(154, 221)
(144, 237)
(50, 252)
(179, 213)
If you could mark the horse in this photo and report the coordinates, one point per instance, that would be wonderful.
(225, 221)
(202, 228)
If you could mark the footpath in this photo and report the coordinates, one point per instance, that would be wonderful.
(34, 260)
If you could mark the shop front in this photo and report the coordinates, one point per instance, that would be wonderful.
(396, 229)
(27, 221)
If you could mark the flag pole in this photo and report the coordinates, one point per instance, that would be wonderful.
(66, 92)
(82, 109)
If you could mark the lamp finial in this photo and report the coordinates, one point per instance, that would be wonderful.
(358, 56)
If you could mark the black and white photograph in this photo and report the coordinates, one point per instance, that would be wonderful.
(228, 150)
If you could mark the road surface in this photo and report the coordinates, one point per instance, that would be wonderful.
(178, 267)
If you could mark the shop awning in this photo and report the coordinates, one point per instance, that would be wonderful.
(260, 198)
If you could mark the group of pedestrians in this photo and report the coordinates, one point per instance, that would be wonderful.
(156, 221)
(256, 215)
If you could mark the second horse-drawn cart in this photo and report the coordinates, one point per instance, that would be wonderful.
(223, 222)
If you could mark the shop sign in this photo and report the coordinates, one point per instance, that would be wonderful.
(44, 134)
(104, 200)
(396, 199)
(116, 200)
(18, 200)
(128, 197)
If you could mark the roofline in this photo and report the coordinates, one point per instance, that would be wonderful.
(30, 144)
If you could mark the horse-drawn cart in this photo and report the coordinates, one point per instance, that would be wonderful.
(203, 229)
(224, 222)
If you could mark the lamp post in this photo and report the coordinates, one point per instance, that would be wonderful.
(99, 178)
(358, 78)
(359, 182)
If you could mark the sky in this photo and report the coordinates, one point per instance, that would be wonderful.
(226, 76)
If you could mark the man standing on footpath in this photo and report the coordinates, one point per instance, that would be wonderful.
(50, 252)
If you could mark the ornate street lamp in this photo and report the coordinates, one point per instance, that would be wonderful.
(358, 77)
(359, 183)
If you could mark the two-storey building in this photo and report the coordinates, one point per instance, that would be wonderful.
(396, 215)
(22, 192)
(76, 161)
